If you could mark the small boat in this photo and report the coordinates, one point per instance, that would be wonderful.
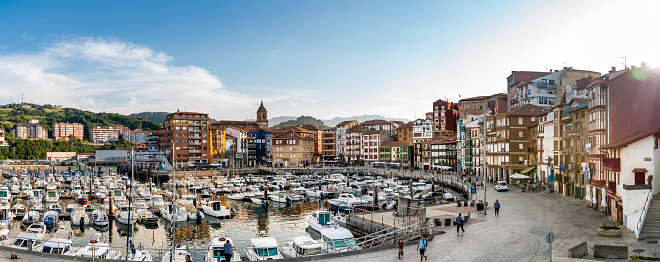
(258, 201)
(79, 217)
(38, 228)
(60, 246)
(52, 196)
(82, 198)
(339, 239)
(4, 229)
(25, 240)
(99, 218)
(38, 208)
(6, 216)
(216, 209)
(18, 208)
(301, 247)
(280, 197)
(238, 197)
(138, 254)
(51, 218)
(98, 249)
(263, 248)
(31, 217)
(71, 207)
(55, 207)
(146, 217)
(217, 249)
(124, 214)
(170, 213)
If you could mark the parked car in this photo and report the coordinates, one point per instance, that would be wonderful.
(501, 186)
(449, 197)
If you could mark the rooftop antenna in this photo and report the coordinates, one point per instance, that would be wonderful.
(625, 65)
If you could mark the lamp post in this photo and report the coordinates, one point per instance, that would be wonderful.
(485, 149)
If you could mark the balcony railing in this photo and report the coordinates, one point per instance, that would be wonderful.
(612, 163)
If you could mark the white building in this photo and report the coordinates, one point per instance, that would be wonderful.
(545, 146)
(341, 139)
(540, 92)
(422, 130)
(104, 135)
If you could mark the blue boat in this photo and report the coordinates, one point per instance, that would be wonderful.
(51, 218)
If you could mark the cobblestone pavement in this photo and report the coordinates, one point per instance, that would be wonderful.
(518, 233)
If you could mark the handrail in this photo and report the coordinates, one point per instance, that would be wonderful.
(642, 217)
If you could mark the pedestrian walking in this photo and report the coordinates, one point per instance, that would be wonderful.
(421, 246)
(459, 223)
(497, 207)
(228, 251)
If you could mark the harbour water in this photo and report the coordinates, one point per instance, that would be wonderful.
(278, 220)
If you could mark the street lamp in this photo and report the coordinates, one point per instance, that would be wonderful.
(485, 138)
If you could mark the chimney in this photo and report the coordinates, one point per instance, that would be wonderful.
(612, 70)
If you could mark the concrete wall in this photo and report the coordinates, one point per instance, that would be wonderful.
(111, 155)
(633, 203)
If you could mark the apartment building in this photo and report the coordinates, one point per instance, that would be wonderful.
(545, 149)
(508, 141)
(341, 139)
(137, 136)
(103, 135)
(443, 153)
(354, 145)
(62, 131)
(398, 152)
(217, 150)
(445, 115)
(241, 156)
(371, 142)
(263, 146)
(328, 144)
(189, 132)
(293, 147)
(404, 133)
(317, 141)
(30, 130)
(422, 130)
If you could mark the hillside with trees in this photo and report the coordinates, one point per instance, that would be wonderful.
(36, 149)
(158, 116)
(48, 115)
(302, 120)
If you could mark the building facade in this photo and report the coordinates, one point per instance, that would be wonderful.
(293, 147)
(328, 145)
(185, 137)
(341, 139)
(445, 115)
(103, 135)
(62, 131)
(30, 130)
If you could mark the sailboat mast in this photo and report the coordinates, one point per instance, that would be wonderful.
(130, 200)
(172, 199)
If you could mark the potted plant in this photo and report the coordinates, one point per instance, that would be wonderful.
(612, 230)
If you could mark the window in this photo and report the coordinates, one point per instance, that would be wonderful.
(520, 146)
(520, 134)
(520, 121)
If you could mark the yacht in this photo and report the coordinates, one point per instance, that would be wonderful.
(18, 208)
(6, 216)
(301, 247)
(31, 217)
(339, 239)
(79, 217)
(28, 241)
(238, 197)
(170, 212)
(60, 246)
(216, 209)
(156, 202)
(279, 197)
(51, 218)
(347, 200)
(52, 196)
(123, 215)
(319, 220)
(263, 248)
(99, 218)
(146, 217)
(96, 248)
(5, 194)
(217, 249)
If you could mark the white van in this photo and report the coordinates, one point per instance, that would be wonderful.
(501, 186)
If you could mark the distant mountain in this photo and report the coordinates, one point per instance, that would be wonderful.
(277, 120)
(157, 116)
(302, 120)
(362, 118)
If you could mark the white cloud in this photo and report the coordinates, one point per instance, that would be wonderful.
(116, 76)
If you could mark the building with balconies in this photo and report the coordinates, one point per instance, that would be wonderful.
(371, 142)
(422, 130)
(341, 139)
(62, 131)
(328, 145)
(397, 152)
(185, 136)
(30, 130)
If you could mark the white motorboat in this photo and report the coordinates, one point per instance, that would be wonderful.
(96, 248)
(99, 218)
(38, 228)
(156, 202)
(339, 220)
(6, 216)
(60, 246)
(237, 197)
(279, 197)
(319, 219)
(217, 249)
(118, 195)
(339, 239)
(301, 247)
(146, 217)
(18, 208)
(51, 218)
(263, 248)
(31, 217)
(4, 229)
(5, 194)
(347, 200)
(124, 214)
(52, 196)
(258, 201)
(71, 207)
(138, 254)
(186, 199)
(216, 209)
(38, 208)
(177, 255)
(28, 241)
(79, 217)
(295, 197)
(169, 213)
(55, 207)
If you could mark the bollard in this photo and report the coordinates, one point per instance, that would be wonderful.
(14, 255)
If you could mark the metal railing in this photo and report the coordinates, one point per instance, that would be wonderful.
(645, 210)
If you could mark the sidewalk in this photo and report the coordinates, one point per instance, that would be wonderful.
(518, 233)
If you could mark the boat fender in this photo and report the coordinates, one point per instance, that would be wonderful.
(70, 234)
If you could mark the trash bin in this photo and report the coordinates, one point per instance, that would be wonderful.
(447, 222)
(465, 202)
(480, 206)
(472, 203)
(458, 203)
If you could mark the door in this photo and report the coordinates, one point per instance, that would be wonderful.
(639, 178)
(619, 213)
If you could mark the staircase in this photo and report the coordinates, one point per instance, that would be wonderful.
(651, 228)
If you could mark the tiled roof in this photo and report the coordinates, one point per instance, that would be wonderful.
(376, 122)
(355, 129)
(394, 143)
(634, 137)
(528, 110)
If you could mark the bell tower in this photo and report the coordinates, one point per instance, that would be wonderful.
(262, 116)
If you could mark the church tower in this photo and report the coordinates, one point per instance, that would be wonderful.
(262, 116)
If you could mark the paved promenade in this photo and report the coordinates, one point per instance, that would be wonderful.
(518, 233)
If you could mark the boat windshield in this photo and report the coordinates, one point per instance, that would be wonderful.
(20, 243)
(310, 251)
(3, 193)
(55, 250)
(218, 252)
(343, 242)
(266, 252)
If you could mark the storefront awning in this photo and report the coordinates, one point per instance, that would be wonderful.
(527, 169)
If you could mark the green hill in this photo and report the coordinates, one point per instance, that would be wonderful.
(48, 115)
(302, 120)
(158, 116)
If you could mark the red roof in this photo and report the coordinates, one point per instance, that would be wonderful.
(394, 143)
(528, 110)
(634, 137)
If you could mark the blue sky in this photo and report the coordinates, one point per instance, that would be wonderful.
(319, 58)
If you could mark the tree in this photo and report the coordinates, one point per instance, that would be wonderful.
(73, 138)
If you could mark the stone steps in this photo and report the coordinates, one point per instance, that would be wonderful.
(651, 227)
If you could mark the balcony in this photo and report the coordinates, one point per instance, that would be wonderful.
(612, 163)
(194, 151)
(195, 130)
(611, 186)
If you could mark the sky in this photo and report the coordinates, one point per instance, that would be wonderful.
(320, 58)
